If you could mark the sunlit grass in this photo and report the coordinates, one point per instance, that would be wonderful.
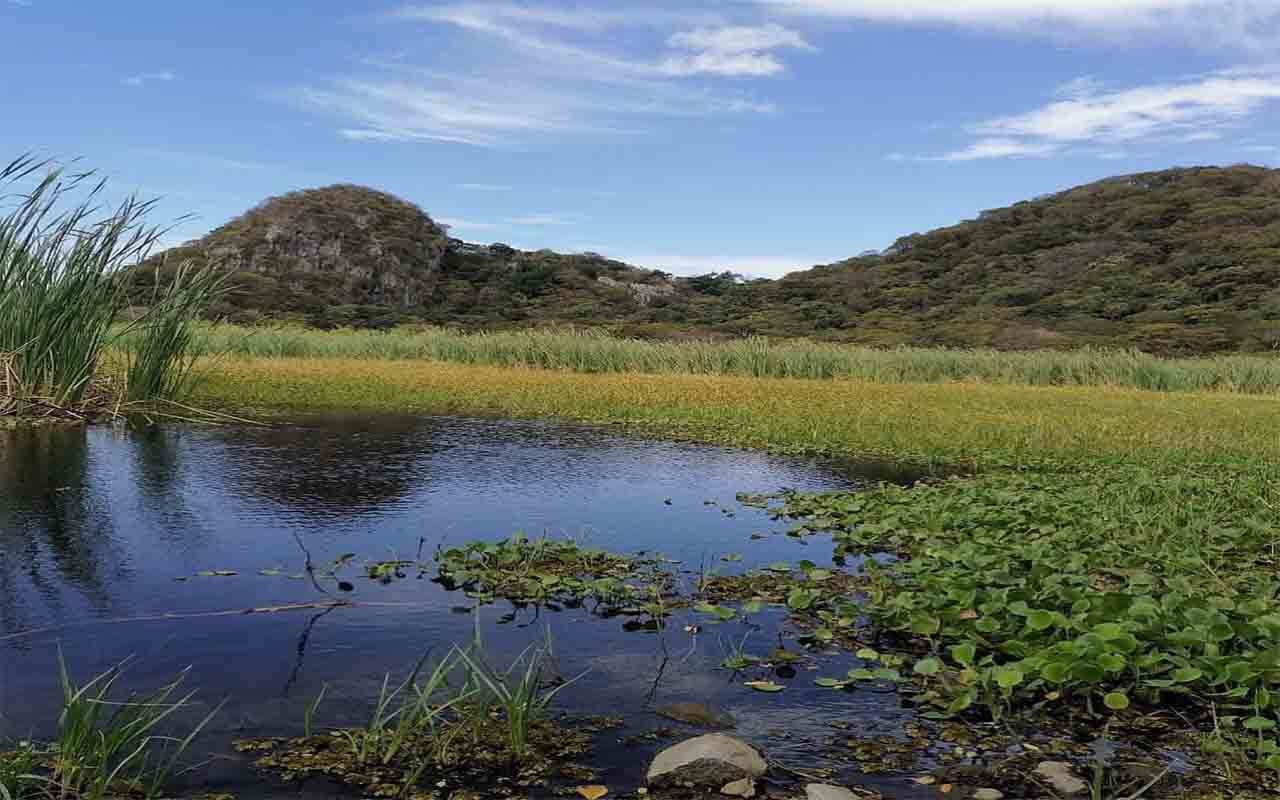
(973, 424)
(594, 352)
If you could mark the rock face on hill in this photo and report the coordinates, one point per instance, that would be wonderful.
(337, 245)
(351, 255)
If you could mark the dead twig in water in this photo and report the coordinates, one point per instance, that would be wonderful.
(308, 567)
(169, 616)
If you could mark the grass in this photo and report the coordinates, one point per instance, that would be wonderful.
(462, 722)
(979, 426)
(106, 746)
(591, 351)
(63, 286)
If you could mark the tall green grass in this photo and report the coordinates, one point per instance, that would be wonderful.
(63, 285)
(107, 746)
(595, 352)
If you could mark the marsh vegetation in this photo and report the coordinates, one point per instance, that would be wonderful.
(64, 289)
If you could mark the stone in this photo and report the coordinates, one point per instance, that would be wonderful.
(743, 788)
(700, 714)
(825, 791)
(1058, 774)
(988, 794)
(709, 761)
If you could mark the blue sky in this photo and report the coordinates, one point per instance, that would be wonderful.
(755, 135)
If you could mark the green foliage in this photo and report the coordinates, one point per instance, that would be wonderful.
(1106, 587)
(1177, 262)
(108, 746)
(545, 570)
(592, 351)
(62, 290)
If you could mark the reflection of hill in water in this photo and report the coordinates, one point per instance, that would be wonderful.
(347, 467)
(55, 532)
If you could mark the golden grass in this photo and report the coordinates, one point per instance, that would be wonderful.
(978, 424)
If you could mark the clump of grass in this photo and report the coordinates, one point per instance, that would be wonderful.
(63, 286)
(463, 723)
(517, 692)
(106, 746)
(594, 351)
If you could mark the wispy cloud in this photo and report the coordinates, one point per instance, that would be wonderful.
(1233, 23)
(145, 78)
(458, 224)
(732, 50)
(1195, 110)
(539, 220)
(20, 3)
(541, 70)
(485, 187)
(201, 159)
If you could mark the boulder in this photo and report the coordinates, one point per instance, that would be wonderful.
(825, 791)
(1059, 775)
(710, 761)
(743, 788)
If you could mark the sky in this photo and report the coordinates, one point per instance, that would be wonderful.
(759, 136)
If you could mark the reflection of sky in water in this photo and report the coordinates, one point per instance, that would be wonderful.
(98, 524)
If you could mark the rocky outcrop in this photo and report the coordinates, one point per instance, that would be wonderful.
(644, 293)
(361, 245)
(712, 761)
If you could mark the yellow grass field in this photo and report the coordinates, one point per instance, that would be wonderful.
(958, 423)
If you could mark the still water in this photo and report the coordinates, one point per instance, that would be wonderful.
(103, 532)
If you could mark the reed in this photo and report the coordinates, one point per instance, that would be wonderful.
(64, 283)
(593, 351)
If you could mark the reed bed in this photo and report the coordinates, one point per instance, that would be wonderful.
(64, 283)
(591, 351)
(977, 425)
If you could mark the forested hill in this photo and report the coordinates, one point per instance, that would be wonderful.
(1179, 261)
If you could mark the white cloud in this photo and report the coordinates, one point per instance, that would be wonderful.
(1260, 148)
(20, 3)
(733, 50)
(1195, 110)
(998, 148)
(539, 220)
(150, 77)
(1233, 23)
(541, 70)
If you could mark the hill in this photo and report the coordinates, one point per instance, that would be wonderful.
(1174, 262)
(344, 254)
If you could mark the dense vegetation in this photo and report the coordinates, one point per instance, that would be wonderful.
(592, 351)
(1176, 262)
(61, 293)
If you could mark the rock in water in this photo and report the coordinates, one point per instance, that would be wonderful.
(825, 791)
(699, 714)
(988, 794)
(710, 761)
(1058, 774)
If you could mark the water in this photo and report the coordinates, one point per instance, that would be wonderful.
(103, 530)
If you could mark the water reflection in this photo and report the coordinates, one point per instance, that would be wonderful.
(56, 539)
(102, 524)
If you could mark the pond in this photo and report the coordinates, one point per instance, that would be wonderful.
(105, 531)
